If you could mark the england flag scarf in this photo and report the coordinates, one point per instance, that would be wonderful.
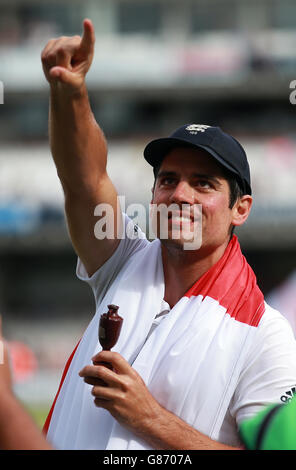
(190, 363)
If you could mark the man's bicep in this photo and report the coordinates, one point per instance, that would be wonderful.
(95, 223)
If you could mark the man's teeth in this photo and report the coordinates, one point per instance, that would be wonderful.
(181, 219)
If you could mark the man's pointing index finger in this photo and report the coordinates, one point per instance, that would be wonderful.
(88, 38)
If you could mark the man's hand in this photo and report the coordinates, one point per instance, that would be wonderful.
(66, 60)
(121, 391)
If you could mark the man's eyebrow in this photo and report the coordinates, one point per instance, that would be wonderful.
(208, 177)
(166, 173)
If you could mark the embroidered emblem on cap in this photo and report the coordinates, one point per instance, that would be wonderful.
(195, 128)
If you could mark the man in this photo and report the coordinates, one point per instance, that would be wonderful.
(199, 349)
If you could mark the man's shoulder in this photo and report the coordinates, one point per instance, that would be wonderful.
(271, 313)
(274, 321)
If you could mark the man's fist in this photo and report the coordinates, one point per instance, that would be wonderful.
(121, 391)
(66, 60)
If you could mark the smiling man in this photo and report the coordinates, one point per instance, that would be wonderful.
(199, 349)
(191, 174)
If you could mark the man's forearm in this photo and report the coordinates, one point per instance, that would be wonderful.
(169, 432)
(77, 143)
(17, 429)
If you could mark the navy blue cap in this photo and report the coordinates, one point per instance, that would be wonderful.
(223, 147)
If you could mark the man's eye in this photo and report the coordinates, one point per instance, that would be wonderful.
(203, 184)
(168, 181)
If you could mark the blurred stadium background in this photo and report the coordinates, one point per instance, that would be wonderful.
(158, 64)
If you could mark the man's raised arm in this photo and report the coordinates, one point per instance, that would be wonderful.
(78, 144)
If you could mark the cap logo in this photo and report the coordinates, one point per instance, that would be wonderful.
(195, 128)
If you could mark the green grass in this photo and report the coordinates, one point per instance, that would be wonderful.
(38, 412)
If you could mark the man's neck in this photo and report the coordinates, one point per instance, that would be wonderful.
(183, 268)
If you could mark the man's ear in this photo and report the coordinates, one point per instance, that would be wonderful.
(241, 210)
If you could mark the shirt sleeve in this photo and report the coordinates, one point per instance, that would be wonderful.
(270, 374)
(132, 241)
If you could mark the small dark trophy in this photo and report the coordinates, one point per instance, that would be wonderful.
(109, 330)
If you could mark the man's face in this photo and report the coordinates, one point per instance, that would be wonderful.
(188, 177)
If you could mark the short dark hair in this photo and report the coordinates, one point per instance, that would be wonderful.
(235, 193)
(235, 189)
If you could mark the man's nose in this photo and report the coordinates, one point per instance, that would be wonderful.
(183, 193)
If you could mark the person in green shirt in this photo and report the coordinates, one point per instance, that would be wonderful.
(273, 428)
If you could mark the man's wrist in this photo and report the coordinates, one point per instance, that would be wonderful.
(60, 91)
